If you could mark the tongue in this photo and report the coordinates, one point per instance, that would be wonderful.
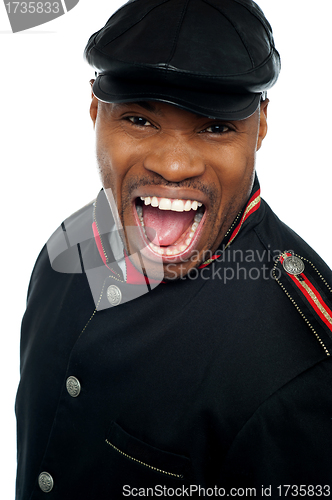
(164, 227)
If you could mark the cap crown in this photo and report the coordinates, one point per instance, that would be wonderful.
(223, 46)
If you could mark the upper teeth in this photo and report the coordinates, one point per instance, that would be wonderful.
(170, 204)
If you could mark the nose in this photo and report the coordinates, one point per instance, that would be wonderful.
(174, 159)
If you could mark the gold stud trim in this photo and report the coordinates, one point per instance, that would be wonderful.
(209, 261)
(179, 476)
(318, 273)
(296, 306)
(102, 245)
(252, 205)
(315, 299)
(97, 305)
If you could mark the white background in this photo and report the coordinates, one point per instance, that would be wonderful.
(47, 150)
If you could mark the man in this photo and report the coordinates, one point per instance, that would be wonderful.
(177, 339)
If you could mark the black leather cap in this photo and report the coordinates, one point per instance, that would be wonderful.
(211, 57)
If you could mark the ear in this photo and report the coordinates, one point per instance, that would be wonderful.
(262, 131)
(93, 106)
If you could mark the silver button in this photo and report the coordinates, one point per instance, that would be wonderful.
(114, 295)
(73, 386)
(45, 481)
(293, 265)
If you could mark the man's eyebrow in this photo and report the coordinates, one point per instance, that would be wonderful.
(149, 106)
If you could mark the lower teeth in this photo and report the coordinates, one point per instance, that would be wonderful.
(139, 211)
(168, 251)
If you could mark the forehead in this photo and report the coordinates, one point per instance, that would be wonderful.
(157, 107)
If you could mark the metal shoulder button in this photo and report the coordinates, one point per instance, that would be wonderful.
(293, 265)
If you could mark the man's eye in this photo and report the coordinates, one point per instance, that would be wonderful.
(217, 129)
(138, 120)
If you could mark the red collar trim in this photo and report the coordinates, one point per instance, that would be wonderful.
(98, 242)
(100, 246)
(134, 277)
(252, 205)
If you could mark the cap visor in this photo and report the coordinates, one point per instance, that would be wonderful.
(221, 106)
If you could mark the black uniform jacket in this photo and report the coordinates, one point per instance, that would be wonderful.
(222, 379)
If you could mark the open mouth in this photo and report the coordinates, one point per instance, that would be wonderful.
(170, 226)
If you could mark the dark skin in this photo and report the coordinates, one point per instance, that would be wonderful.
(157, 149)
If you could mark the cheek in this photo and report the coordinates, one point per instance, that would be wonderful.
(235, 168)
(112, 162)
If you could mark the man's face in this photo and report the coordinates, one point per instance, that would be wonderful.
(185, 176)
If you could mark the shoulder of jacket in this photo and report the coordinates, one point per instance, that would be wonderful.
(302, 275)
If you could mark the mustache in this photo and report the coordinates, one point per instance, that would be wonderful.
(136, 182)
